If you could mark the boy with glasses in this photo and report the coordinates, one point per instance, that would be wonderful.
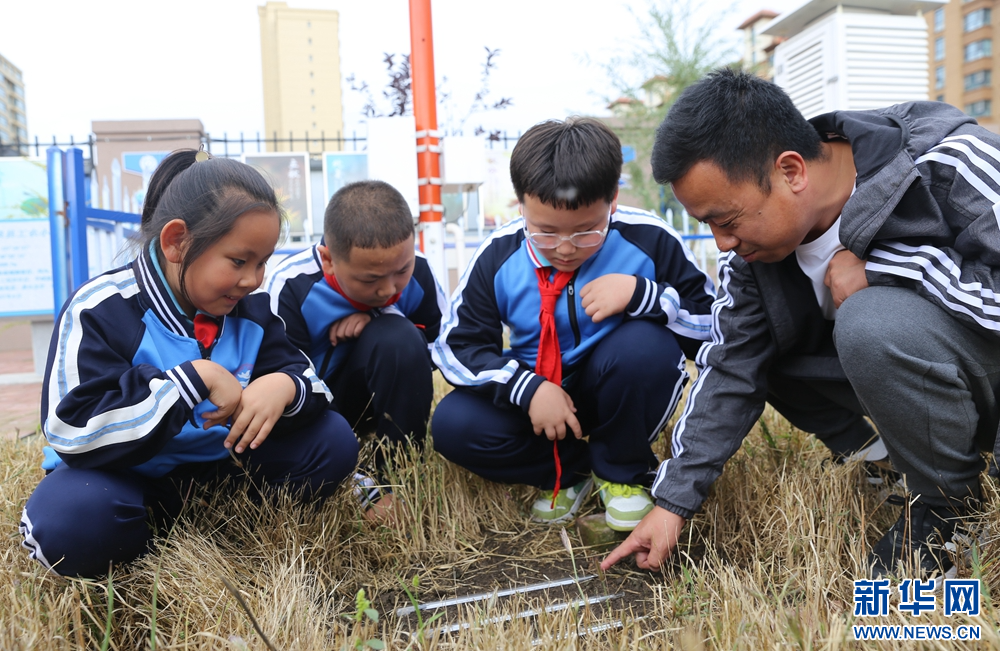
(602, 303)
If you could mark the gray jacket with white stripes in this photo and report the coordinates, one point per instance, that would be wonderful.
(925, 214)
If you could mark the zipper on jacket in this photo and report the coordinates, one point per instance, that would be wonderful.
(571, 308)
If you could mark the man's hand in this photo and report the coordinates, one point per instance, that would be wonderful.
(845, 275)
(349, 327)
(224, 391)
(652, 542)
(607, 296)
(552, 412)
(263, 402)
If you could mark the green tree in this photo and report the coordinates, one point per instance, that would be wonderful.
(679, 44)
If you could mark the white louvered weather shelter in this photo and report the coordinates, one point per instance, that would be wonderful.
(863, 55)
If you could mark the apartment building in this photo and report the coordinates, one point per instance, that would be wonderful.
(300, 51)
(758, 49)
(13, 118)
(961, 58)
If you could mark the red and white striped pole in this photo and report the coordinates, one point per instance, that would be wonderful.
(431, 233)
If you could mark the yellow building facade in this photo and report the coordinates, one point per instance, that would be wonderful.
(962, 56)
(300, 57)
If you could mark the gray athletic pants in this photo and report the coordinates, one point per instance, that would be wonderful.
(824, 407)
(929, 382)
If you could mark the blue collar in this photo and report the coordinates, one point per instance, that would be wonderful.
(157, 293)
(163, 278)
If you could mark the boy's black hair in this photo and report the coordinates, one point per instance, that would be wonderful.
(366, 215)
(738, 122)
(209, 196)
(568, 164)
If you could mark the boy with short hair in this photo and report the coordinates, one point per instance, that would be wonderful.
(874, 231)
(602, 302)
(363, 306)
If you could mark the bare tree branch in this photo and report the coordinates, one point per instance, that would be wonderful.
(398, 94)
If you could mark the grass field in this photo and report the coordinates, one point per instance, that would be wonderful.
(768, 563)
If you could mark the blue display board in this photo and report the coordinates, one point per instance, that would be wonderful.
(341, 168)
(25, 249)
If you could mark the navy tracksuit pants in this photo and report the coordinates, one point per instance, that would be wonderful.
(624, 392)
(385, 383)
(80, 521)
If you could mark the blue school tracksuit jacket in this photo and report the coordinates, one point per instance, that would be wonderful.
(500, 288)
(308, 305)
(120, 390)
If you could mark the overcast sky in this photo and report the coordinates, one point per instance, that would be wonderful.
(138, 59)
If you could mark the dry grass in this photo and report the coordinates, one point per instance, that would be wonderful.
(767, 564)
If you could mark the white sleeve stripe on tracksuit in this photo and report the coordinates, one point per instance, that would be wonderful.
(725, 300)
(937, 273)
(453, 370)
(681, 321)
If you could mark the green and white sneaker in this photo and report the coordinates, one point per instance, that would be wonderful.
(625, 504)
(567, 503)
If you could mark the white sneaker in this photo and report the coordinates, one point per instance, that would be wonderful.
(626, 504)
(566, 504)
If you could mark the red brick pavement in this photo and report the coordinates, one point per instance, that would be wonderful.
(16, 361)
(18, 402)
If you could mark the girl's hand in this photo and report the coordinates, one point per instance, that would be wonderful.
(262, 404)
(349, 327)
(224, 391)
(607, 296)
(552, 412)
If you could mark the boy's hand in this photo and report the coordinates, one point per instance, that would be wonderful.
(652, 541)
(224, 391)
(349, 327)
(263, 402)
(607, 296)
(551, 410)
(845, 275)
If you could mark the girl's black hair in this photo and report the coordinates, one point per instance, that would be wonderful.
(209, 196)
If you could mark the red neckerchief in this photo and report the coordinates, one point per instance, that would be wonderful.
(548, 362)
(206, 328)
(332, 281)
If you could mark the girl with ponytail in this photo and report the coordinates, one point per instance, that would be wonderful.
(168, 371)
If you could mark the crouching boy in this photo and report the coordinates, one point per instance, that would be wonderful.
(362, 305)
(602, 304)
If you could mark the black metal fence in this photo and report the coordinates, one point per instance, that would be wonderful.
(231, 146)
(312, 143)
(37, 148)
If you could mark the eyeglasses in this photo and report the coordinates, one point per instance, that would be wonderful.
(583, 240)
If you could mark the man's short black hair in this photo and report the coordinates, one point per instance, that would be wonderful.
(567, 164)
(737, 121)
(367, 215)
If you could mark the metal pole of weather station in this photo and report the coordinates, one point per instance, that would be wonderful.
(431, 233)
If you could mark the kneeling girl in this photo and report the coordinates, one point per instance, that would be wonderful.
(169, 371)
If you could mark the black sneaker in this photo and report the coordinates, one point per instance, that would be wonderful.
(917, 540)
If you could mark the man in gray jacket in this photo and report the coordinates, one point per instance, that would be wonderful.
(880, 227)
